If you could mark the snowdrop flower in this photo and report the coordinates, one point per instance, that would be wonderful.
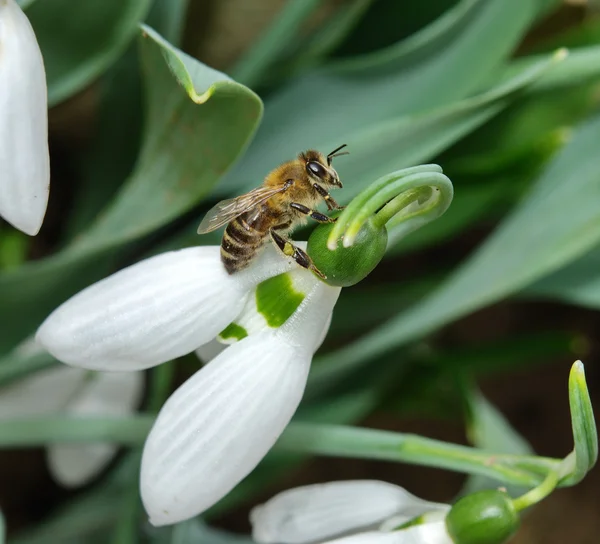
(367, 511)
(24, 161)
(219, 424)
(73, 392)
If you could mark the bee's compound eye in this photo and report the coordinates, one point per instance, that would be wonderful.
(316, 169)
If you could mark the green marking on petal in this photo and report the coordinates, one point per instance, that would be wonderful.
(277, 300)
(234, 332)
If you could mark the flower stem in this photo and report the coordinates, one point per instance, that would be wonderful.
(537, 493)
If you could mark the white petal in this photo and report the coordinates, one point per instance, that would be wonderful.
(216, 427)
(305, 327)
(219, 424)
(104, 394)
(429, 533)
(24, 162)
(153, 311)
(317, 512)
(146, 314)
(42, 393)
(324, 332)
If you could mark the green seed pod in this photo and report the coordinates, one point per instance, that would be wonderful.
(346, 266)
(485, 517)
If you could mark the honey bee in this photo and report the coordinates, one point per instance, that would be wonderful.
(284, 200)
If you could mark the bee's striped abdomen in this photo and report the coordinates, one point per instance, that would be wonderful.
(240, 243)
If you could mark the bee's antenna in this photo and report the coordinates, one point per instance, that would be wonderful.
(335, 153)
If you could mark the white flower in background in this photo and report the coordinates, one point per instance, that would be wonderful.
(219, 424)
(24, 161)
(79, 393)
(366, 511)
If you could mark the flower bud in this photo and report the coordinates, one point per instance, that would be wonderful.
(346, 266)
(485, 517)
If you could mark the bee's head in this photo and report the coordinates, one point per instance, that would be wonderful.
(319, 169)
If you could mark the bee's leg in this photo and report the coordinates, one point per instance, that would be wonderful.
(331, 204)
(300, 256)
(319, 217)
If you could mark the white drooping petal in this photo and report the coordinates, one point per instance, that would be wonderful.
(153, 311)
(146, 314)
(324, 331)
(24, 162)
(428, 533)
(104, 394)
(42, 393)
(219, 424)
(316, 512)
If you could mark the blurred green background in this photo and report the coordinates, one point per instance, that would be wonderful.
(497, 297)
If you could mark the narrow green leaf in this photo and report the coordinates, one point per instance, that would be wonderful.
(21, 362)
(354, 442)
(257, 60)
(325, 109)
(2, 529)
(168, 18)
(194, 531)
(21, 432)
(557, 223)
(112, 152)
(188, 146)
(327, 37)
(585, 435)
(577, 283)
(489, 430)
(89, 516)
(335, 440)
(582, 66)
(79, 40)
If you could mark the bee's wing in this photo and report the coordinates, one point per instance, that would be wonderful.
(227, 210)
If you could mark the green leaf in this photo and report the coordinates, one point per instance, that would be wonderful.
(360, 443)
(115, 143)
(577, 283)
(79, 40)
(89, 516)
(585, 435)
(23, 361)
(327, 37)
(557, 223)
(130, 430)
(258, 59)
(2, 529)
(327, 107)
(188, 145)
(195, 531)
(581, 66)
(489, 430)
(168, 18)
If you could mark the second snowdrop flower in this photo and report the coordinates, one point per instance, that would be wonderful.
(367, 509)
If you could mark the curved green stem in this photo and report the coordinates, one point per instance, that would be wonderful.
(403, 200)
(537, 493)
